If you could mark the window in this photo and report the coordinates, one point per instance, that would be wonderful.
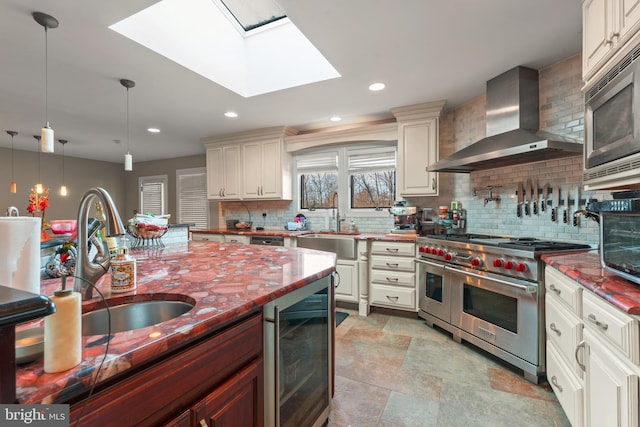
(192, 203)
(318, 174)
(372, 178)
(253, 14)
(364, 178)
(153, 194)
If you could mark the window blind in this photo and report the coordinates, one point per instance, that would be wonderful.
(152, 197)
(323, 161)
(359, 162)
(193, 205)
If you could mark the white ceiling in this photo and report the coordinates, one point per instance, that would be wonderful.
(424, 50)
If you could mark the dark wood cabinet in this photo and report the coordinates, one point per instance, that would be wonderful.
(215, 379)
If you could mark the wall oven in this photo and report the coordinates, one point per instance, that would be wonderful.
(298, 331)
(612, 127)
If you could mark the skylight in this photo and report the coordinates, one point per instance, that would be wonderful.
(199, 36)
(253, 14)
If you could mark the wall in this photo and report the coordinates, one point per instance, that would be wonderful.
(561, 112)
(79, 174)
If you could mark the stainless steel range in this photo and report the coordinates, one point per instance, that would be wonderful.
(489, 290)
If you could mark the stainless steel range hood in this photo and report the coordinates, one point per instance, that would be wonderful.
(512, 129)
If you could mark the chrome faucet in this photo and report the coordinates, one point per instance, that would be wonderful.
(92, 270)
(336, 210)
(13, 211)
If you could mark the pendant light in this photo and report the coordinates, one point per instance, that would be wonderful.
(39, 183)
(12, 186)
(63, 188)
(128, 158)
(47, 139)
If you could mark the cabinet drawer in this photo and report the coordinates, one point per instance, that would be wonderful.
(568, 388)
(390, 296)
(617, 327)
(396, 278)
(393, 263)
(205, 237)
(559, 286)
(564, 329)
(235, 238)
(393, 248)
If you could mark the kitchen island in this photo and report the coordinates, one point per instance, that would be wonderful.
(228, 283)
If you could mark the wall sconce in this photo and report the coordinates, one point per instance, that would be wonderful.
(63, 188)
(39, 184)
(46, 133)
(128, 158)
(12, 185)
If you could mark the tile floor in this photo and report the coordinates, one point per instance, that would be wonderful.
(395, 371)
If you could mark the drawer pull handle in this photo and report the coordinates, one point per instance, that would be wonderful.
(592, 319)
(554, 381)
(554, 289)
(392, 298)
(391, 265)
(581, 345)
(392, 250)
(392, 279)
(555, 329)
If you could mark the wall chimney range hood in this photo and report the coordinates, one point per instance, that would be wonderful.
(513, 135)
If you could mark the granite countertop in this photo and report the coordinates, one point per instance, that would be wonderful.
(285, 233)
(585, 268)
(226, 281)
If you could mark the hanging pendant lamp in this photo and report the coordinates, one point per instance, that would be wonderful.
(63, 188)
(12, 185)
(46, 133)
(39, 183)
(128, 158)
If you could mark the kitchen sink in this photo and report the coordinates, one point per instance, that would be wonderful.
(343, 245)
(132, 315)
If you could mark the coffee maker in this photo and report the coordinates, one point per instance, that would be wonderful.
(405, 220)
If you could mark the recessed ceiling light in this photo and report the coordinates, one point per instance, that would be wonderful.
(231, 114)
(374, 87)
(335, 119)
(153, 130)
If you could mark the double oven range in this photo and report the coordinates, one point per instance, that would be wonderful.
(489, 291)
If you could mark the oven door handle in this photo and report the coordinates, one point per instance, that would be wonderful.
(531, 289)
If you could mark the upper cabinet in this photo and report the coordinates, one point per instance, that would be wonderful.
(249, 165)
(610, 30)
(417, 148)
(267, 170)
(223, 172)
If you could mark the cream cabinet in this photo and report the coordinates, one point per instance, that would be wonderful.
(417, 148)
(347, 289)
(249, 165)
(206, 237)
(593, 355)
(237, 238)
(609, 27)
(223, 172)
(392, 275)
(267, 170)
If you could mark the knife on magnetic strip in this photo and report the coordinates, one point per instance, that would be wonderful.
(520, 192)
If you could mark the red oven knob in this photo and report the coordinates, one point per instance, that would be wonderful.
(448, 256)
(421, 249)
(508, 265)
(431, 250)
(476, 262)
(521, 267)
(497, 262)
(440, 252)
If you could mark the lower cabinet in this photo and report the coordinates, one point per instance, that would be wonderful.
(207, 237)
(217, 381)
(392, 275)
(592, 355)
(347, 289)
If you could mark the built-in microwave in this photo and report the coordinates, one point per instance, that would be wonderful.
(612, 127)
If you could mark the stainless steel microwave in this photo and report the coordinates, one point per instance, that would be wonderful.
(619, 236)
(612, 128)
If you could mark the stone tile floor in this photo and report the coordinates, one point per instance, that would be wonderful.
(395, 371)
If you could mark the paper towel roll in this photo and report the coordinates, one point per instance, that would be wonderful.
(63, 333)
(20, 253)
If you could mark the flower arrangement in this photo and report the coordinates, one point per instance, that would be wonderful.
(38, 202)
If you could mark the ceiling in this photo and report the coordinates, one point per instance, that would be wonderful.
(424, 50)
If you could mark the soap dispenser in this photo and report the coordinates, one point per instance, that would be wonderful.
(123, 271)
(63, 331)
